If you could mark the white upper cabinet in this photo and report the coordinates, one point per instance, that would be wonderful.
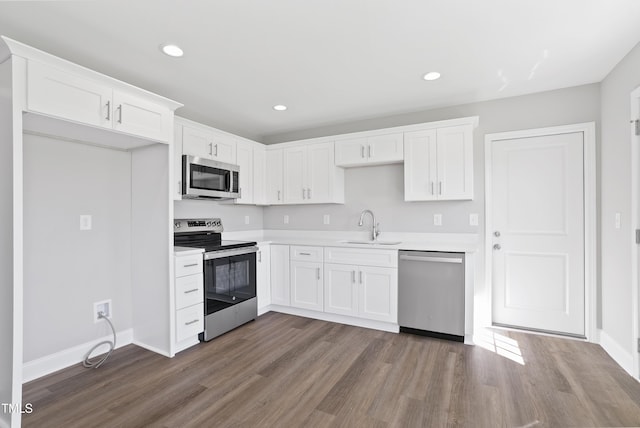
(90, 99)
(310, 175)
(244, 158)
(259, 174)
(209, 144)
(274, 177)
(439, 164)
(373, 150)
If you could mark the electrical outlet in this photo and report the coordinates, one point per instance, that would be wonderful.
(326, 219)
(437, 219)
(85, 222)
(246, 219)
(473, 219)
(103, 306)
(286, 219)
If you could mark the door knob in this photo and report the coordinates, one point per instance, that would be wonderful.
(496, 246)
(496, 233)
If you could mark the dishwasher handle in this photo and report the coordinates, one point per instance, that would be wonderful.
(430, 259)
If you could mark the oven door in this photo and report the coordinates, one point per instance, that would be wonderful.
(229, 279)
(204, 178)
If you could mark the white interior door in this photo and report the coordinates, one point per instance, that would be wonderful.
(538, 237)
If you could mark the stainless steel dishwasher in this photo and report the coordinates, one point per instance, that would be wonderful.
(431, 294)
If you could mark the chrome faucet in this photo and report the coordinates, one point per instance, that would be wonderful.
(375, 227)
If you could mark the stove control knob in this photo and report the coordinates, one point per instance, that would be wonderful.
(176, 225)
(209, 224)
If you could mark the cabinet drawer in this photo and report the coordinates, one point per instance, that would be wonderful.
(306, 253)
(189, 321)
(189, 290)
(188, 265)
(357, 256)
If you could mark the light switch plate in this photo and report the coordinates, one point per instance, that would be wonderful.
(437, 219)
(85, 222)
(473, 219)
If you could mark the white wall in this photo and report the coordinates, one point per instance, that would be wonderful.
(233, 216)
(6, 243)
(381, 188)
(616, 198)
(66, 269)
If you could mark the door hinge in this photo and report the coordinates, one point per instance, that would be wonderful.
(637, 236)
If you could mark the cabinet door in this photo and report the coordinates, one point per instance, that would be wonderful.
(196, 142)
(177, 162)
(295, 167)
(341, 289)
(420, 166)
(223, 148)
(244, 156)
(61, 94)
(378, 295)
(320, 166)
(259, 175)
(280, 294)
(455, 162)
(274, 173)
(307, 285)
(137, 116)
(352, 152)
(384, 149)
(263, 274)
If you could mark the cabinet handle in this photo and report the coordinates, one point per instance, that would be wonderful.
(440, 187)
(108, 110)
(191, 322)
(303, 194)
(216, 154)
(120, 113)
(360, 274)
(308, 193)
(318, 272)
(210, 149)
(305, 254)
(191, 291)
(432, 187)
(278, 195)
(191, 265)
(179, 187)
(361, 151)
(353, 276)
(259, 256)
(370, 151)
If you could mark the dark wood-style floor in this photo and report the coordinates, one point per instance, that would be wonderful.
(286, 371)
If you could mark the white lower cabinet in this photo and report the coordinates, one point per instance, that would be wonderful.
(189, 299)
(307, 285)
(363, 291)
(280, 294)
(263, 277)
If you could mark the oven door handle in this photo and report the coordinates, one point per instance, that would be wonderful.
(228, 253)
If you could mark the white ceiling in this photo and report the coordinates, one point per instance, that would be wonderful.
(331, 61)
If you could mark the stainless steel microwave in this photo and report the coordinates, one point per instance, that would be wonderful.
(209, 179)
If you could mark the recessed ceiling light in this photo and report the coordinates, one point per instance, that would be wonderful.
(172, 50)
(432, 75)
(280, 107)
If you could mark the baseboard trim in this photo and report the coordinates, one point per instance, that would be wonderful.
(342, 319)
(43, 366)
(617, 352)
(152, 349)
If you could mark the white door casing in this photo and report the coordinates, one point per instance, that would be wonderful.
(540, 197)
(635, 216)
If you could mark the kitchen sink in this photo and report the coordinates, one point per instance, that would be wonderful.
(371, 242)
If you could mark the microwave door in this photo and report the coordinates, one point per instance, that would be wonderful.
(203, 180)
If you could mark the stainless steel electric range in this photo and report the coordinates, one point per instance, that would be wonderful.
(229, 274)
